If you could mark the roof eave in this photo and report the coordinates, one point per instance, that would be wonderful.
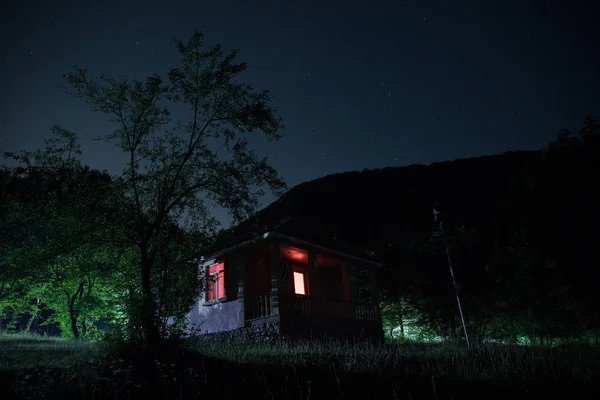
(225, 250)
(293, 239)
(340, 253)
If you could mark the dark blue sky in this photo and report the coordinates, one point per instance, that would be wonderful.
(360, 84)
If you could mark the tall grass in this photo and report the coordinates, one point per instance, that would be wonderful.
(486, 362)
(24, 350)
(203, 369)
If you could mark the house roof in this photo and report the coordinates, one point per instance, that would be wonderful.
(287, 227)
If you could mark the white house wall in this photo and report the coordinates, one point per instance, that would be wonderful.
(218, 317)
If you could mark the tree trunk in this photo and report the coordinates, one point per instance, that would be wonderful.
(452, 327)
(85, 307)
(401, 320)
(73, 314)
(33, 318)
(148, 312)
(482, 331)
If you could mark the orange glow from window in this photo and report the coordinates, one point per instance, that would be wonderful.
(299, 283)
(294, 254)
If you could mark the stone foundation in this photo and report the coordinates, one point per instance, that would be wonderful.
(270, 331)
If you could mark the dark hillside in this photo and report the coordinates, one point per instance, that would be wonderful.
(373, 208)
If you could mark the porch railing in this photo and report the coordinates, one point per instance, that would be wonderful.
(259, 306)
(306, 306)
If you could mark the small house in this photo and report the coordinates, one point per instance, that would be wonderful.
(290, 277)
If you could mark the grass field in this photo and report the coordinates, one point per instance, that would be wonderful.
(22, 351)
(37, 368)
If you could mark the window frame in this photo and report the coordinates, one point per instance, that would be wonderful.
(304, 272)
(215, 283)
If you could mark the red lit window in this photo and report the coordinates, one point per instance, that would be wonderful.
(215, 281)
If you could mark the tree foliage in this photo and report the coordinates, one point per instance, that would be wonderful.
(56, 253)
(83, 242)
(175, 172)
(522, 268)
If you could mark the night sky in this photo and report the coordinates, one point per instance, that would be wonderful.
(360, 84)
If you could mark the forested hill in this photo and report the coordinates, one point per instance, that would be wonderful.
(374, 208)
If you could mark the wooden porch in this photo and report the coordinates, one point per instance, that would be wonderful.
(305, 307)
(308, 291)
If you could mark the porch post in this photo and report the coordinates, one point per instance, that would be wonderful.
(314, 283)
(347, 307)
(242, 316)
(275, 258)
(374, 291)
(346, 281)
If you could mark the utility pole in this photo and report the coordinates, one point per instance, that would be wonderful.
(437, 218)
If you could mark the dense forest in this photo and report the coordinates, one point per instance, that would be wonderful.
(520, 228)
